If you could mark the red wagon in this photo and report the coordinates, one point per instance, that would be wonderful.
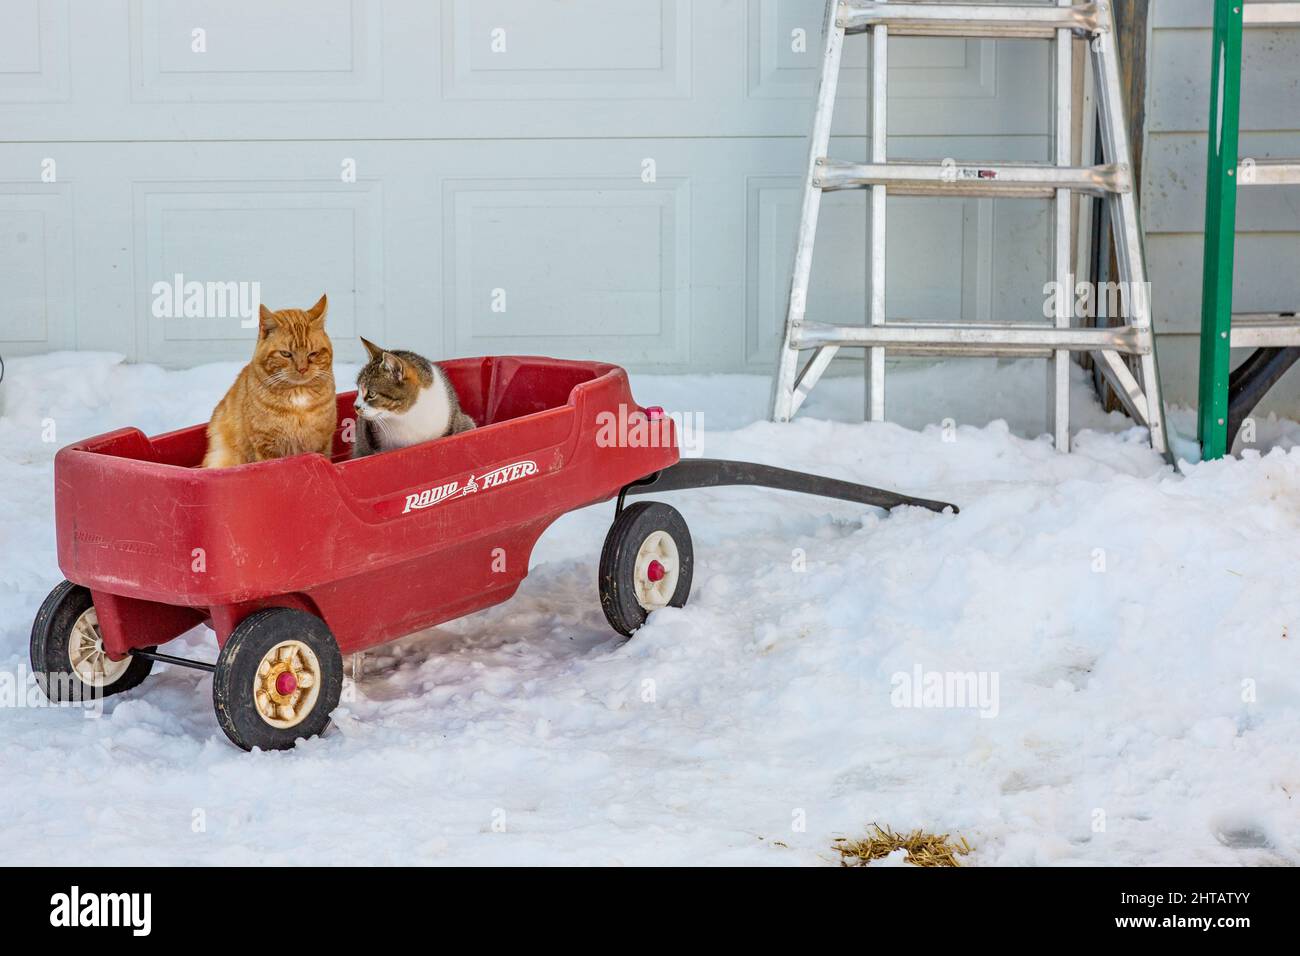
(297, 561)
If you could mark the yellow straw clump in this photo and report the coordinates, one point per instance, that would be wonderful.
(923, 849)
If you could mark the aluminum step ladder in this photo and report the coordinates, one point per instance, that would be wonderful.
(1111, 347)
(1226, 397)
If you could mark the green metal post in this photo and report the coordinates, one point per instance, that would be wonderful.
(1220, 229)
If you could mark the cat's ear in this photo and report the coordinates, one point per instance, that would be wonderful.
(395, 366)
(267, 322)
(373, 350)
(316, 314)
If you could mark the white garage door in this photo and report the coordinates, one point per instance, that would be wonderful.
(611, 178)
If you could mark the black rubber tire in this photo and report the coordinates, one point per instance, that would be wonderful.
(49, 649)
(236, 669)
(618, 562)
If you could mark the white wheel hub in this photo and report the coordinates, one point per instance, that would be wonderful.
(657, 567)
(86, 654)
(287, 684)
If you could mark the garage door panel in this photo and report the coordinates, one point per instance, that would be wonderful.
(573, 50)
(569, 267)
(938, 85)
(290, 241)
(36, 267)
(788, 59)
(34, 51)
(934, 270)
(948, 259)
(251, 51)
(838, 287)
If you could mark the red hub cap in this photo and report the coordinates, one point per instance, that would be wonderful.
(286, 684)
(655, 571)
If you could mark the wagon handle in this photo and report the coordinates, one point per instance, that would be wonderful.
(717, 472)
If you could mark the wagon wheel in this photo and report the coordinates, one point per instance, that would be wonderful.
(67, 650)
(646, 564)
(277, 679)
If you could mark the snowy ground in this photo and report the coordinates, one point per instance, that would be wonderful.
(1143, 629)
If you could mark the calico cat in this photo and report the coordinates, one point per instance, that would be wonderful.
(283, 401)
(403, 399)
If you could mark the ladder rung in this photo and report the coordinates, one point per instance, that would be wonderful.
(1256, 330)
(968, 19)
(1035, 180)
(1271, 14)
(929, 338)
(1268, 172)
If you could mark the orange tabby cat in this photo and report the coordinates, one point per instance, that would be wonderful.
(282, 403)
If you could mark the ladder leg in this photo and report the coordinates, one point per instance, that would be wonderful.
(811, 373)
(783, 399)
(875, 357)
(1116, 371)
(1125, 222)
(1058, 366)
(1089, 207)
(787, 368)
(1220, 232)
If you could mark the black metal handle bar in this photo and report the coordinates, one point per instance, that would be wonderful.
(717, 472)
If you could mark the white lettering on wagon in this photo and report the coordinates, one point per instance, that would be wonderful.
(456, 489)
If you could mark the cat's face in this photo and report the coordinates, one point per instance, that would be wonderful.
(292, 347)
(386, 385)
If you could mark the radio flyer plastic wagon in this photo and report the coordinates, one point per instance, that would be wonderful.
(295, 562)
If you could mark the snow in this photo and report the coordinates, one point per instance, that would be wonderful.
(1140, 628)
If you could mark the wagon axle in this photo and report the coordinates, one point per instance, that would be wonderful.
(178, 661)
